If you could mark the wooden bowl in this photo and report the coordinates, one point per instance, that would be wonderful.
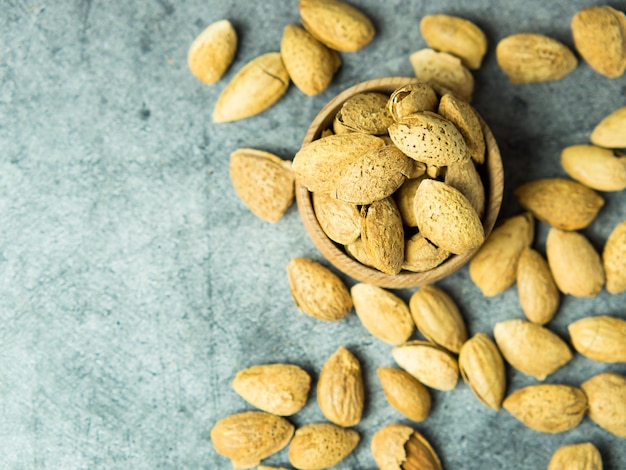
(491, 172)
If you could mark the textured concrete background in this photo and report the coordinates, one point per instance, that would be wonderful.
(135, 283)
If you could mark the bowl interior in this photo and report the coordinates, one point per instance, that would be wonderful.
(491, 172)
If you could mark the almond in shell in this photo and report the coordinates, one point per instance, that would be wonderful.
(256, 87)
(340, 391)
(574, 262)
(465, 178)
(606, 393)
(339, 220)
(382, 234)
(462, 115)
(610, 132)
(321, 445)
(383, 314)
(430, 364)
(212, 52)
(536, 289)
(317, 291)
(405, 200)
(263, 181)
(280, 389)
(531, 348)
(601, 338)
(357, 251)
(445, 70)
(367, 112)
(412, 98)
(549, 408)
(560, 202)
(595, 167)
(405, 393)
(420, 255)
(247, 438)
(583, 456)
(614, 259)
(400, 447)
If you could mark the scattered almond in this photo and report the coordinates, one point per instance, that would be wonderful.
(321, 445)
(430, 364)
(445, 70)
(400, 447)
(595, 167)
(583, 456)
(601, 338)
(339, 220)
(606, 393)
(536, 289)
(212, 52)
(405, 393)
(420, 255)
(614, 259)
(611, 131)
(382, 234)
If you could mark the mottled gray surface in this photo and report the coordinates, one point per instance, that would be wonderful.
(135, 283)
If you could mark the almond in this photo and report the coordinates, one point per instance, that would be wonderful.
(247, 438)
(536, 289)
(383, 314)
(445, 70)
(336, 24)
(280, 389)
(462, 115)
(256, 87)
(465, 178)
(531, 348)
(560, 202)
(532, 58)
(405, 393)
(321, 445)
(339, 220)
(431, 365)
(405, 200)
(611, 131)
(583, 456)
(397, 446)
(614, 259)
(311, 65)
(357, 251)
(317, 291)
(410, 99)
(383, 235)
(367, 112)
(549, 408)
(420, 255)
(340, 391)
(457, 36)
(212, 52)
(575, 264)
(263, 181)
(606, 393)
(600, 338)
(447, 218)
(595, 167)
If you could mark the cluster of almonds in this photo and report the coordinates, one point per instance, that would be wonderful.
(308, 57)
(599, 34)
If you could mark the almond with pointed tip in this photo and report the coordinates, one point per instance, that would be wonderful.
(280, 389)
(382, 234)
(382, 313)
(465, 178)
(606, 393)
(562, 203)
(405, 393)
(531, 348)
(397, 446)
(611, 131)
(248, 437)
(536, 289)
(339, 220)
(601, 338)
(614, 259)
(464, 117)
(430, 364)
(263, 181)
(317, 291)
(321, 445)
(311, 65)
(405, 200)
(445, 70)
(549, 408)
(595, 167)
(256, 87)
(583, 456)
(212, 52)
(574, 262)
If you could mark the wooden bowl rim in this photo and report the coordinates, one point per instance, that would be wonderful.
(342, 261)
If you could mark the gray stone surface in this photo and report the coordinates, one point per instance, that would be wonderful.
(135, 283)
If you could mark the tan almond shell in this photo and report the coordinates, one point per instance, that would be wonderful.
(575, 264)
(280, 389)
(357, 250)
(610, 132)
(444, 70)
(335, 23)
(405, 393)
(340, 221)
(317, 291)
(601, 338)
(595, 167)
(415, 169)
(465, 178)
(482, 368)
(382, 234)
(462, 115)
(263, 181)
(318, 165)
(606, 393)
(533, 58)
(248, 437)
(256, 87)
(420, 255)
(311, 65)
(321, 445)
(582, 456)
(420, 454)
(385, 315)
(367, 112)
(430, 364)
(537, 292)
(405, 200)
(531, 348)
(549, 408)
(599, 34)
(391, 451)
(560, 202)
(447, 218)
(494, 267)
(212, 52)
(614, 259)
(438, 318)
(429, 138)
(410, 99)
(457, 36)
(340, 392)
